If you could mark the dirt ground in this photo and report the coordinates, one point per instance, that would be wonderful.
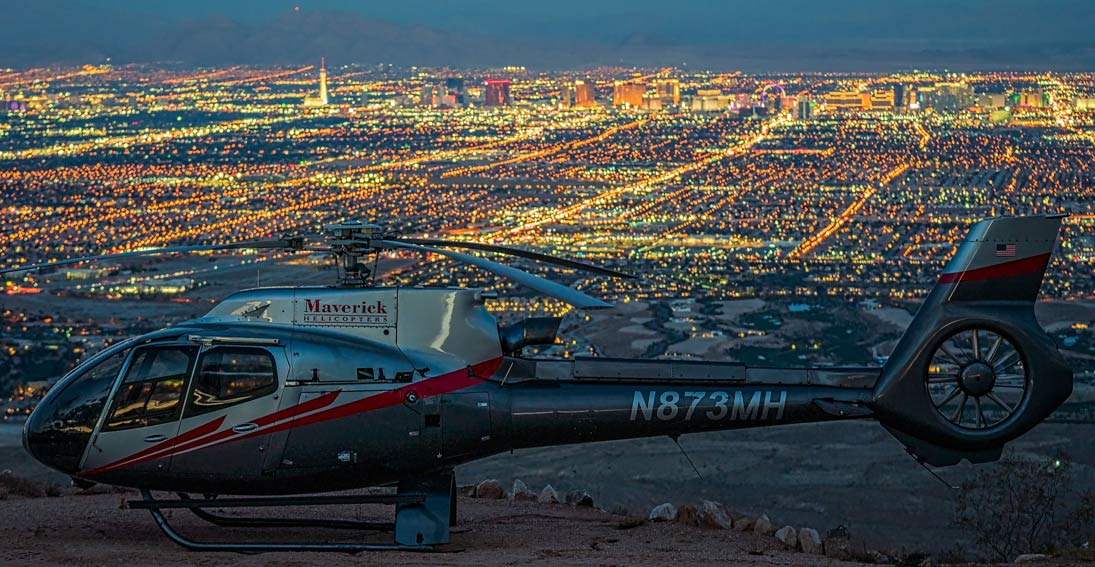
(92, 530)
(95, 530)
(806, 475)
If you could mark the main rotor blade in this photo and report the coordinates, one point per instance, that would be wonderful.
(289, 244)
(521, 253)
(546, 287)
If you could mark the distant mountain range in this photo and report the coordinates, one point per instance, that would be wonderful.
(301, 38)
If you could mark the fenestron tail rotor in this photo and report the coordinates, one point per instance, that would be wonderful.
(976, 379)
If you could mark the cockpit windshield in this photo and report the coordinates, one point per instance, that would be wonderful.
(62, 424)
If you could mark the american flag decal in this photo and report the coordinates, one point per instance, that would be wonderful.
(1005, 250)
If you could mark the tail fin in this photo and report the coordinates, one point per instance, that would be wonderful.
(974, 370)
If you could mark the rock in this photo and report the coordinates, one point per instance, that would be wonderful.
(548, 496)
(787, 536)
(466, 490)
(838, 544)
(666, 512)
(744, 524)
(490, 489)
(521, 492)
(810, 541)
(688, 515)
(713, 515)
(579, 498)
(763, 525)
(1030, 558)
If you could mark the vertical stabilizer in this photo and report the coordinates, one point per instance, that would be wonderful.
(974, 369)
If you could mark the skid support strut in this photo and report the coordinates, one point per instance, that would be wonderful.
(424, 509)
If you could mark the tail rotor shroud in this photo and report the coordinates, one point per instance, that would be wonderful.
(975, 369)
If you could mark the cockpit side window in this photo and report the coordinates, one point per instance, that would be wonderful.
(231, 375)
(152, 388)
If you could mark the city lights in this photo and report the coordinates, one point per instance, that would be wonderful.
(712, 186)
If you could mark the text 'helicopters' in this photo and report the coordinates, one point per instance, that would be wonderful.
(299, 390)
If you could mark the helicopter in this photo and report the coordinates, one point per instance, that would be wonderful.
(280, 394)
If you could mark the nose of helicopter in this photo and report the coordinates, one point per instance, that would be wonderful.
(50, 442)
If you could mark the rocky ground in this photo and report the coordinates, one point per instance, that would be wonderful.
(92, 530)
(845, 474)
(824, 476)
(496, 527)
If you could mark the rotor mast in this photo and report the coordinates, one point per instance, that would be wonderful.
(350, 242)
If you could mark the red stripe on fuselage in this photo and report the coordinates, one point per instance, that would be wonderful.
(163, 446)
(443, 384)
(195, 439)
(205, 433)
(1012, 268)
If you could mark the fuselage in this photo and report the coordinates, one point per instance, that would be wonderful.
(297, 390)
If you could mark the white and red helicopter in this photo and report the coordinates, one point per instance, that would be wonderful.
(289, 391)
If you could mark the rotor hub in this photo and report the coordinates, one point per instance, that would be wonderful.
(977, 378)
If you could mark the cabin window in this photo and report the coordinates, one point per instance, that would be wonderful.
(232, 375)
(152, 387)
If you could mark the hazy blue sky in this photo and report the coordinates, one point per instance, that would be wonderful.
(682, 21)
(40, 29)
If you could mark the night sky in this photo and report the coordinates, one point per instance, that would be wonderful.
(42, 30)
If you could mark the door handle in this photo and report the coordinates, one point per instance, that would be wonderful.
(155, 438)
(245, 427)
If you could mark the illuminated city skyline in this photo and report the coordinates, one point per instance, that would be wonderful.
(791, 189)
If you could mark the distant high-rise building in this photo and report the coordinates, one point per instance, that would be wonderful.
(669, 90)
(856, 100)
(496, 92)
(946, 97)
(710, 100)
(899, 101)
(584, 94)
(566, 96)
(322, 99)
(804, 108)
(881, 100)
(454, 94)
(323, 80)
(630, 94)
(992, 101)
(1034, 99)
(846, 100)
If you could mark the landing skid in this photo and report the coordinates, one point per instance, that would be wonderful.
(239, 522)
(425, 509)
